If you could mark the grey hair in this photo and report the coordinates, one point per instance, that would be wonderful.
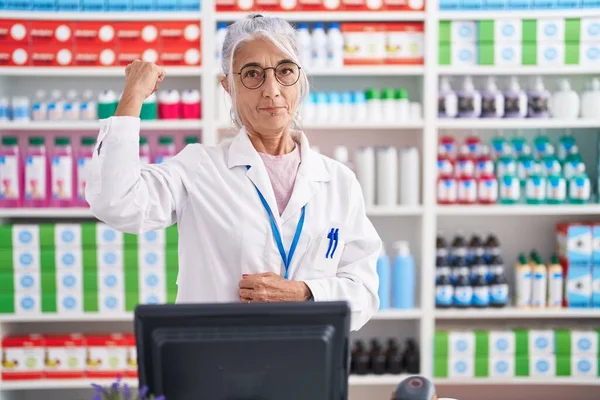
(277, 31)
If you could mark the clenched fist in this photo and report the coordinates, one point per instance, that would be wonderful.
(141, 80)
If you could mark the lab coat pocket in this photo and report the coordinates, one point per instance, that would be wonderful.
(327, 253)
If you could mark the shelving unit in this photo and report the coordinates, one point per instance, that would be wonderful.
(420, 222)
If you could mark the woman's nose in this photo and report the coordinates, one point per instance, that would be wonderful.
(271, 87)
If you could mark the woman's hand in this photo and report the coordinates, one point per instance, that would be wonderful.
(141, 80)
(269, 287)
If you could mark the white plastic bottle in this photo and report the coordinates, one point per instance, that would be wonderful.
(309, 109)
(220, 39)
(39, 108)
(319, 46)
(334, 101)
(20, 109)
(322, 107)
(88, 107)
(340, 153)
(515, 100)
(359, 103)
(56, 106)
(4, 109)
(590, 100)
(387, 176)
(447, 100)
(402, 105)
(365, 173)
(469, 100)
(409, 176)
(565, 102)
(304, 44)
(335, 46)
(72, 106)
(492, 101)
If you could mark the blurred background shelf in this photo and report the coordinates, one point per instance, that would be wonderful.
(104, 15)
(94, 125)
(490, 313)
(73, 72)
(499, 123)
(504, 210)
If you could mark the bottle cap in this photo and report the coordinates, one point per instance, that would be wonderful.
(514, 85)
(468, 85)
(319, 25)
(221, 25)
(72, 94)
(190, 96)
(334, 25)
(9, 141)
(595, 84)
(36, 141)
(169, 96)
(402, 248)
(564, 85)
(340, 153)
(358, 97)
(303, 25)
(143, 140)
(491, 85)
(165, 140)
(40, 94)
(62, 141)
(388, 94)
(554, 259)
(56, 94)
(88, 94)
(191, 139)
(372, 94)
(445, 85)
(88, 141)
(401, 94)
(538, 84)
(522, 259)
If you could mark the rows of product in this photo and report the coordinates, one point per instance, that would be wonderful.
(70, 269)
(515, 5)
(41, 176)
(514, 353)
(167, 105)
(101, 5)
(489, 101)
(472, 274)
(317, 5)
(514, 42)
(377, 359)
(397, 278)
(68, 356)
(513, 171)
(98, 43)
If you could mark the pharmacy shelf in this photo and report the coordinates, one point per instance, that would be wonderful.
(515, 313)
(376, 380)
(380, 211)
(518, 70)
(516, 123)
(49, 384)
(469, 15)
(89, 71)
(104, 16)
(58, 318)
(94, 125)
(375, 126)
(562, 381)
(369, 70)
(332, 16)
(521, 209)
(397, 315)
(75, 212)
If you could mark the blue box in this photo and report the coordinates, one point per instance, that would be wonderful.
(166, 5)
(117, 5)
(596, 266)
(578, 287)
(495, 4)
(472, 4)
(43, 5)
(18, 5)
(142, 5)
(93, 5)
(2, 4)
(567, 4)
(189, 5)
(449, 4)
(518, 4)
(590, 3)
(544, 4)
(67, 5)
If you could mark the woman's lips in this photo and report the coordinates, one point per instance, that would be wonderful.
(272, 110)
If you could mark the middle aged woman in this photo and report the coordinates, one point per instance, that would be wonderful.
(261, 217)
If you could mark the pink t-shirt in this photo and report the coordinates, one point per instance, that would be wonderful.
(282, 172)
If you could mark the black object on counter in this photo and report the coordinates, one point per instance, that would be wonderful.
(411, 357)
(414, 388)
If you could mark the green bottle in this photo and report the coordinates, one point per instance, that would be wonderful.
(580, 186)
(535, 187)
(541, 145)
(107, 104)
(556, 189)
(525, 165)
(149, 108)
(565, 145)
(509, 189)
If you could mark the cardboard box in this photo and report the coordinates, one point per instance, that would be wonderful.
(551, 54)
(461, 343)
(508, 30)
(461, 367)
(67, 235)
(180, 56)
(542, 365)
(589, 54)
(109, 281)
(501, 343)
(13, 31)
(365, 43)
(590, 29)
(25, 259)
(152, 239)
(69, 259)
(65, 357)
(403, 5)
(51, 56)
(463, 31)
(128, 53)
(26, 235)
(550, 30)
(502, 366)
(69, 281)
(596, 266)
(584, 366)
(508, 54)
(14, 55)
(27, 281)
(574, 242)
(95, 56)
(22, 357)
(69, 302)
(27, 303)
(131, 34)
(106, 356)
(105, 235)
(110, 258)
(464, 54)
(405, 43)
(541, 342)
(94, 33)
(112, 302)
(152, 259)
(51, 33)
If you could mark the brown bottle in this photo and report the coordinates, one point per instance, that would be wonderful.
(393, 357)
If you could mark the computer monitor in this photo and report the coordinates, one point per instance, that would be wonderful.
(234, 351)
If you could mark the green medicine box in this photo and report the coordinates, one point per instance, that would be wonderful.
(529, 31)
(444, 54)
(485, 31)
(445, 32)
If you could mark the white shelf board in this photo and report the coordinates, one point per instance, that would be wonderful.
(394, 315)
(75, 212)
(469, 15)
(518, 381)
(489, 313)
(380, 211)
(60, 384)
(520, 209)
(517, 70)
(104, 15)
(516, 123)
(75, 72)
(94, 125)
(332, 16)
(376, 380)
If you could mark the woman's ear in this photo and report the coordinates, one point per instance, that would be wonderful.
(225, 84)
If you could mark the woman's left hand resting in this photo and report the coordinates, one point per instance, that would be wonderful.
(269, 287)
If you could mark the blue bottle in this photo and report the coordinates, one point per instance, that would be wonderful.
(404, 277)
(384, 271)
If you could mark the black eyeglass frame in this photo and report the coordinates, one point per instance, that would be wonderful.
(274, 73)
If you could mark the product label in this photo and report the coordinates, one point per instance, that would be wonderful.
(499, 293)
(512, 105)
(62, 178)
(35, 178)
(537, 105)
(447, 191)
(467, 191)
(443, 295)
(556, 188)
(466, 105)
(106, 359)
(60, 359)
(535, 188)
(463, 295)
(579, 188)
(510, 188)
(488, 190)
(481, 296)
(555, 289)
(488, 105)
(9, 178)
(465, 167)
(22, 359)
(523, 287)
(538, 293)
(83, 166)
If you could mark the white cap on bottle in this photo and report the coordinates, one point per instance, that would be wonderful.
(595, 84)
(56, 94)
(340, 153)
(190, 96)
(40, 94)
(107, 96)
(445, 85)
(169, 96)
(402, 248)
(468, 85)
(72, 94)
(88, 94)
(491, 84)
(514, 84)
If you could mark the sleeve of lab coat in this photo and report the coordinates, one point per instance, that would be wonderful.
(356, 281)
(126, 195)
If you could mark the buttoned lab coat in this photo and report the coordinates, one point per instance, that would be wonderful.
(224, 229)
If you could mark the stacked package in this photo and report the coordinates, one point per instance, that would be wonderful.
(84, 268)
(517, 353)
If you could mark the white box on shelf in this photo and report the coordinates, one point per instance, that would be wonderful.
(461, 367)
(589, 54)
(152, 259)
(542, 365)
(502, 366)
(69, 258)
(27, 281)
(111, 280)
(508, 31)
(541, 342)
(26, 235)
(501, 343)
(152, 280)
(461, 344)
(584, 342)
(69, 281)
(464, 54)
(111, 302)
(154, 239)
(26, 259)
(153, 296)
(508, 54)
(67, 235)
(550, 54)
(69, 302)
(105, 235)
(27, 302)
(463, 32)
(110, 257)
(584, 366)
(550, 30)
(590, 29)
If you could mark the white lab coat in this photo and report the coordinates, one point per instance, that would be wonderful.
(224, 230)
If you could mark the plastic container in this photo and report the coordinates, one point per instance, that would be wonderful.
(319, 46)
(335, 46)
(37, 178)
(72, 107)
(86, 152)
(149, 110)
(402, 105)
(361, 112)
(304, 45)
(88, 107)
(447, 100)
(515, 100)
(538, 100)
(388, 104)
(61, 173)
(387, 176)
(107, 104)
(191, 104)
(145, 157)
(39, 108)
(384, 271)
(20, 109)
(403, 277)
(365, 173)
(165, 151)
(409, 176)
(56, 106)
(11, 173)
(4, 109)
(469, 100)
(565, 102)
(590, 100)
(492, 101)
(374, 106)
(190, 140)
(169, 104)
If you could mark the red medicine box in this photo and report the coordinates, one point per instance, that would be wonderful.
(137, 33)
(52, 33)
(95, 56)
(186, 33)
(14, 55)
(106, 356)
(91, 33)
(132, 365)
(14, 31)
(181, 55)
(65, 357)
(22, 357)
(51, 56)
(276, 5)
(404, 5)
(128, 53)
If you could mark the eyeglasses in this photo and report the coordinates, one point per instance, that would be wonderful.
(253, 76)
